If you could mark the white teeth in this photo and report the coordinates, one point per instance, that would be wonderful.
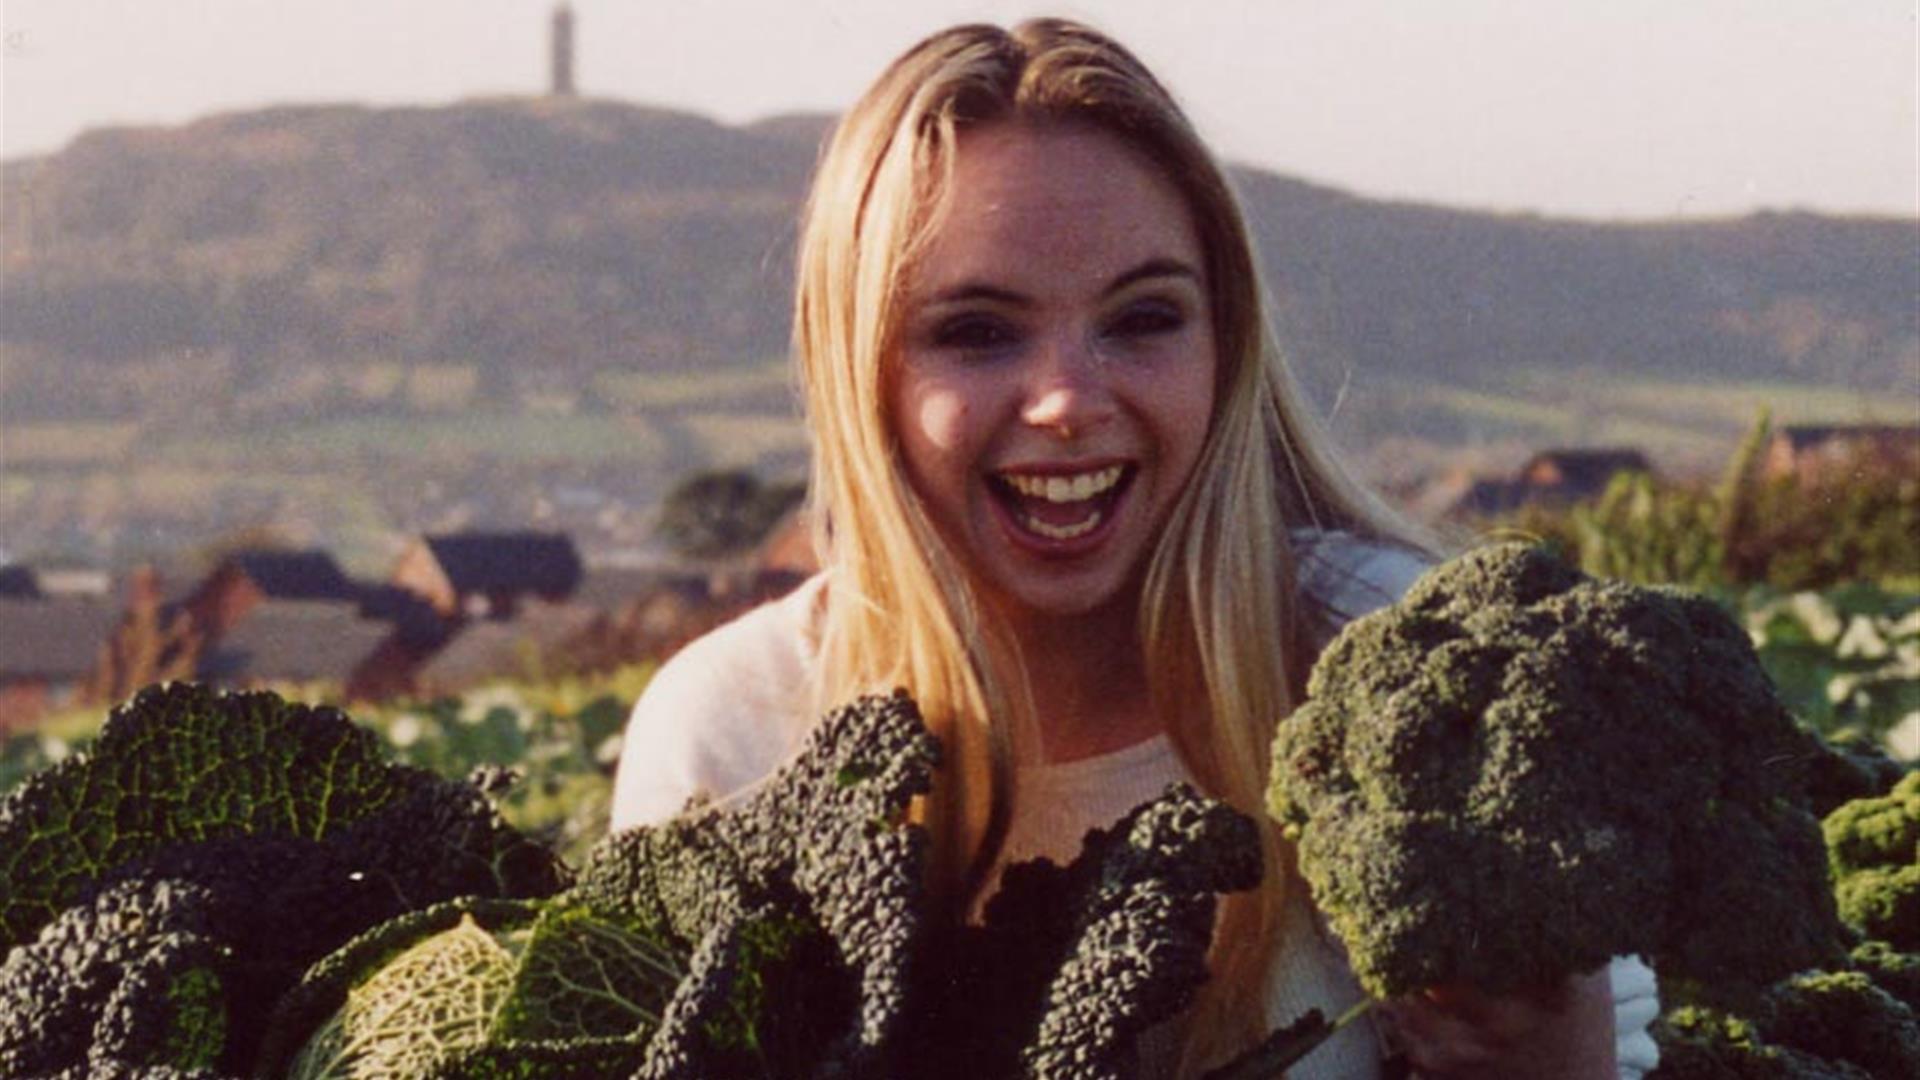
(1064, 489)
(1063, 532)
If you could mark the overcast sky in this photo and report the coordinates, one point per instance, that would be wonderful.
(1593, 108)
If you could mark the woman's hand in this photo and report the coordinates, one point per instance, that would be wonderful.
(1564, 1032)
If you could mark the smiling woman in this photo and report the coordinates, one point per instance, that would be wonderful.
(1068, 497)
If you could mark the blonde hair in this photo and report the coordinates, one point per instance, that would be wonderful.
(1217, 612)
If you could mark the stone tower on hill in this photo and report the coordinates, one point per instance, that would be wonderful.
(562, 50)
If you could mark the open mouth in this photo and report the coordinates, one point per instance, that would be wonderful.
(1059, 507)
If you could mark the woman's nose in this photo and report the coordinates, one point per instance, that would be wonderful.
(1068, 392)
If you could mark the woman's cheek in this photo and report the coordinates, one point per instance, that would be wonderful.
(939, 415)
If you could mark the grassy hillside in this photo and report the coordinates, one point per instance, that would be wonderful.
(401, 301)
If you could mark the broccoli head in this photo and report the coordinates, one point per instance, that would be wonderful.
(160, 891)
(1518, 772)
(1873, 846)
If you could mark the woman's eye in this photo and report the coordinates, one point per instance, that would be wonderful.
(973, 332)
(1144, 320)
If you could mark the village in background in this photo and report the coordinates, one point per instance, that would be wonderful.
(524, 414)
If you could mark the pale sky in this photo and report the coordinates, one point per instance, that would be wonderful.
(1589, 108)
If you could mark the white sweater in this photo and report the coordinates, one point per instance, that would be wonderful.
(730, 707)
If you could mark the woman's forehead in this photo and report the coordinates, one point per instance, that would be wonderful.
(1060, 198)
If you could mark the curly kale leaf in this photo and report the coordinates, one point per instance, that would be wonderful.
(279, 831)
(1072, 964)
(1518, 772)
(182, 764)
(1814, 1024)
(132, 978)
(766, 937)
(1896, 972)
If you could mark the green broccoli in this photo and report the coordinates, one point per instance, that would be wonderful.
(1873, 847)
(1518, 772)
(200, 857)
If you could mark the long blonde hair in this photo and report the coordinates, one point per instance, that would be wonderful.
(1217, 611)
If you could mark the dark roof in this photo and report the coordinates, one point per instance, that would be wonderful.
(419, 626)
(542, 563)
(19, 582)
(1590, 469)
(54, 639)
(294, 640)
(1802, 436)
(1486, 497)
(294, 575)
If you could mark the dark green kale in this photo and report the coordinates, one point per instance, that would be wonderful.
(233, 886)
(769, 936)
(1854, 766)
(786, 934)
(1815, 1024)
(132, 978)
(1896, 972)
(1518, 772)
(1072, 964)
(1873, 847)
(199, 857)
(1859, 1020)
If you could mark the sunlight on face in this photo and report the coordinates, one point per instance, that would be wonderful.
(1055, 377)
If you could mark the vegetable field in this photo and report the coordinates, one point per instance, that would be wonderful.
(561, 736)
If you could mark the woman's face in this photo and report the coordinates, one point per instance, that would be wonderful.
(1055, 372)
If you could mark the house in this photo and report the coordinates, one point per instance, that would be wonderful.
(282, 641)
(539, 636)
(1557, 477)
(19, 583)
(246, 579)
(49, 650)
(488, 575)
(1811, 452)
(1573, 475)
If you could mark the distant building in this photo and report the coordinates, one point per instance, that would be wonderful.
(49, 649)
(487, 575)
(1814, 451)
(560, 42)
(520, 647)
(1572, 475)
(19, 583)
(1551, 477)
(246, 579)
(299, 641)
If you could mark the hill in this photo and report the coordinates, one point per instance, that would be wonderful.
(591, 280)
